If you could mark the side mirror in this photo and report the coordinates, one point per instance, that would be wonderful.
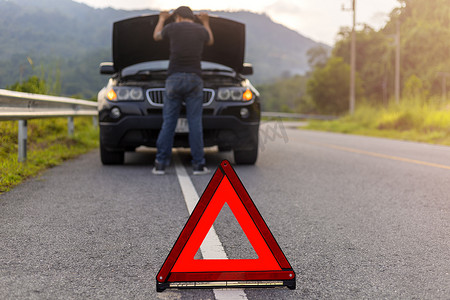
(247, 69)
(107, 68)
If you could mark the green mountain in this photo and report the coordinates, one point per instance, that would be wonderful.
(66, 41)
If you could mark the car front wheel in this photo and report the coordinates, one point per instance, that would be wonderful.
(246, 157)
(111, 157)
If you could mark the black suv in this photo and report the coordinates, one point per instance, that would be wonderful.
(130, 106)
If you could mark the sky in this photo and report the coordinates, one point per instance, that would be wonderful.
(316, 19)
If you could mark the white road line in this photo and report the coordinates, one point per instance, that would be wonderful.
(211, 246)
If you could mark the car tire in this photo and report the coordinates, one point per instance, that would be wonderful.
(246, 157)
(111, 157)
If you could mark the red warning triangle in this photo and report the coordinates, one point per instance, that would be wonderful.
(180, 266)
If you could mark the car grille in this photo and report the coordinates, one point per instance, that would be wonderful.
(156, 96)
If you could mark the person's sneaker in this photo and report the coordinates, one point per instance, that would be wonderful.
(200, 169)
(159, 169)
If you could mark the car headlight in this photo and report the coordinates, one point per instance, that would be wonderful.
(123, 93)
(234, 94)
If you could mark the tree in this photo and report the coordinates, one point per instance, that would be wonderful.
(329, 87)
(425, 41)
(33, 85)
(284, 95)
(424, 47)
(317, 56)
(374, 61)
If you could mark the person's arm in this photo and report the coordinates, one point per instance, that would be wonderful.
(160, 25)
(204, 18)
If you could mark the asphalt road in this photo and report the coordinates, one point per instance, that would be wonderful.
(357, 218)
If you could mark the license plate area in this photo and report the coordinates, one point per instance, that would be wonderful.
(182, 126)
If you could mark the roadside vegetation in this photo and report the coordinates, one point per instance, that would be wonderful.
(411, 120)
(48, 142)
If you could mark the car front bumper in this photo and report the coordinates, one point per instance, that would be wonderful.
(228, 132)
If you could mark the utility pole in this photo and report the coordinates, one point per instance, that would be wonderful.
(352, 57)
(353, 61)
(397, 63)
(444, 85)
(444, 88)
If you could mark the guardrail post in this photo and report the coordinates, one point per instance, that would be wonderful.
(95, 122)
(71, 126)
(23, 135)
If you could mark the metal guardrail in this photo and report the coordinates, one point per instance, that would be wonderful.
(24, 106)
(297, 116)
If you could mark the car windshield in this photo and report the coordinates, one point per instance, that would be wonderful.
(163, 65)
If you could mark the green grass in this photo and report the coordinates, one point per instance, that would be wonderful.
(411, 120)
(48, 145)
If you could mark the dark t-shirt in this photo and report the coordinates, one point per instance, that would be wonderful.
(186, 46)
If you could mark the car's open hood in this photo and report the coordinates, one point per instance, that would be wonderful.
(133, 43)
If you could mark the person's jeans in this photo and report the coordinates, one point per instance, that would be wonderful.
(188, 88)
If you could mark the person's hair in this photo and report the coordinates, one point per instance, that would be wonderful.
(185, 12)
